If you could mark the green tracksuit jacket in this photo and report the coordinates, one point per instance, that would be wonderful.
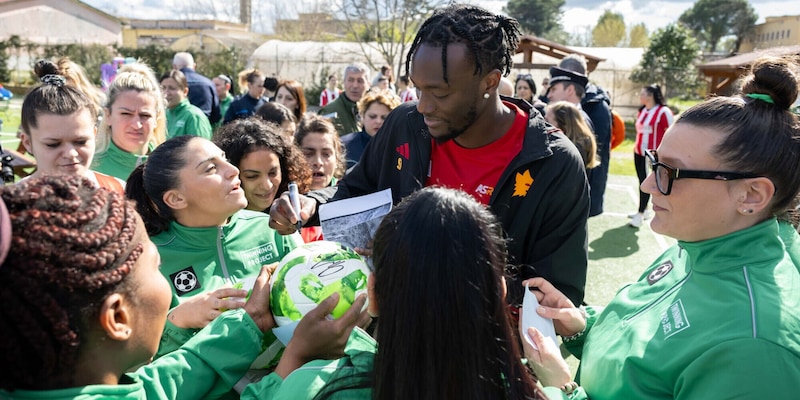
(116, 162)
(218, 355)
(716, 319)
(186, 119)
(198, 260)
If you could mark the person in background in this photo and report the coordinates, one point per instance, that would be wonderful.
(406, 89)
(202, 92)
(331, 91)
(381, 86)
(223, 84)
(59, 126)
(246, 104)
(506, 87)
(385, 72)
(343, 110)
(373, 109)
(652, 122)
(134, 121)
(545, 87)
(85, 294)
(76, 77)
(317, 139)
(597, 105)
(567, 117)
(270, 87)
(717, 314)
(290, 94)
(267, 163)
(280, 115)
(183, 118)
(525, 88)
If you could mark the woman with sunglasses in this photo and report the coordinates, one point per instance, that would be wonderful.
(718, 314)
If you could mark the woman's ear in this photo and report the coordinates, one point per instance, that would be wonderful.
(115, 317)
(756, 196)
(26, 141)
(174, 199)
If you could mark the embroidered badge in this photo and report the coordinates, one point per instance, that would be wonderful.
(660, 272)
(522, 184)
(185, 281)
(674, 319)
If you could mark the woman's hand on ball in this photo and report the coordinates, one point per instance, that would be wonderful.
(197, 311)
(258, 304)
(318, 337)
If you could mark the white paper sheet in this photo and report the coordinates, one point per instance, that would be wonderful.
(353, 222)
(530, 318)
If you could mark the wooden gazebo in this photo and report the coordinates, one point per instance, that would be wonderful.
(724, 72)
(532, 44)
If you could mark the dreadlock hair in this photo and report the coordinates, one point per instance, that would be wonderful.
(491, 38)
(72, 245)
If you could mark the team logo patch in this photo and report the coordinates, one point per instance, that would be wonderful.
(659, 272)
(185, 281)
(674, 319)
(522, 184)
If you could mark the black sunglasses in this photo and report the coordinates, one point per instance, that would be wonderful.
(665, 174)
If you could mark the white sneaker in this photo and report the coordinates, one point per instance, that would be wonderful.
(636, 220)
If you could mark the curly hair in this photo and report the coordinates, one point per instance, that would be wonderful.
(245, 136)
(72, 245)
(492, 39)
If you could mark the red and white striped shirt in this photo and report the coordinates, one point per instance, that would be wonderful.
(327, 96)
(408, 95)
(651, 124)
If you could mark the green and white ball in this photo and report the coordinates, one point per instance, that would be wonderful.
(311, 273)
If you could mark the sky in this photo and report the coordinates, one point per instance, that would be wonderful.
(578, 14)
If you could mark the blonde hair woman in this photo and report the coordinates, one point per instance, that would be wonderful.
(134, 121)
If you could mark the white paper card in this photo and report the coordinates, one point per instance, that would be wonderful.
(530, 318)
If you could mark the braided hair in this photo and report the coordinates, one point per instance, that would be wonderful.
(492, 39)
(72, 245)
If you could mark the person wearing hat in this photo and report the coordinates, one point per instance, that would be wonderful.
(568, 86)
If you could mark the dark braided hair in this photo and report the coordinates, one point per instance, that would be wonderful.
(72, 245)
(492, 39)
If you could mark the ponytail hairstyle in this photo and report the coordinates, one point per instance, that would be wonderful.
(72, 246)
(177, 76)
(655, 91)
(140, 78)
(149, 181)
(53, 96)
(76, 76)
(761, 136)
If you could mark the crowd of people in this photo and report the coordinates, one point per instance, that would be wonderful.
(493, 184)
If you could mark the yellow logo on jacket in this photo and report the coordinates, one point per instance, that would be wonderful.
(522, 184)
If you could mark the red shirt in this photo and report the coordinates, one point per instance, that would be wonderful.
(476, 171)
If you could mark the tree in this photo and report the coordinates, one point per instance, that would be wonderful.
(537, 17)
(638, 36)
(609, 31)
(668, 61)
(711, 20)
(387, 26)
